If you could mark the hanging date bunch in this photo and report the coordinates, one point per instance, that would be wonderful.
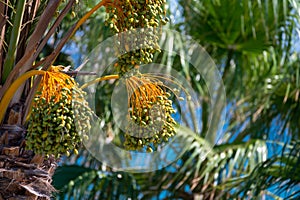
(60, 116)
(150, 110)
(140, 20)
(137, 24)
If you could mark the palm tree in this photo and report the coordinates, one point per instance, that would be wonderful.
(26, 27)
(252, 43)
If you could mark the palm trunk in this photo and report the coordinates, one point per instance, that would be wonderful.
(23, 175)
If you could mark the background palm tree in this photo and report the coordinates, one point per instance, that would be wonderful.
(253, 44)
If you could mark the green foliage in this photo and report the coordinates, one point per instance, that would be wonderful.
(85, 183)
(280, 172)
(243, 26)
(202, 167)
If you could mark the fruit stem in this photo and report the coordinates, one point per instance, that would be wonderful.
(108, 77)
(13, 88)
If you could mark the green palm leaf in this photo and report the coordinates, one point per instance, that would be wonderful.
(280, 173)
(86, 183)
(203, 170)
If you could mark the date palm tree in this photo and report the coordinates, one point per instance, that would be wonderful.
(26, 28)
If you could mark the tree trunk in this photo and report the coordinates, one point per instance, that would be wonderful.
(23, 175)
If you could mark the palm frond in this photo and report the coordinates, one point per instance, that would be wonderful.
(75, 182)
(250, 26)
(204, 169)
(279, 175)
(275, 102)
